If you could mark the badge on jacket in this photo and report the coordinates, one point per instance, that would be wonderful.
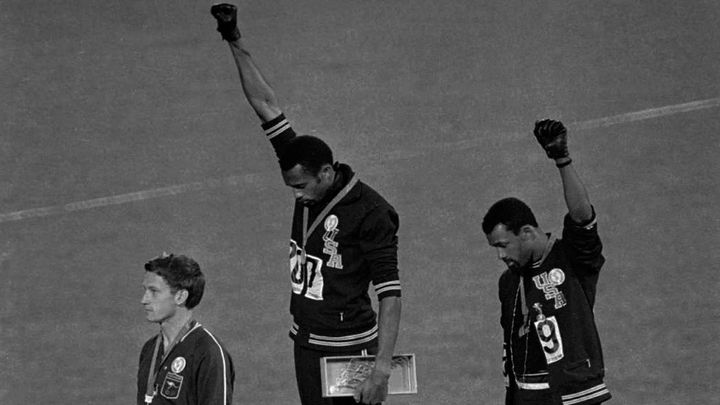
(548, 282)
(330, 245)
(548, 332)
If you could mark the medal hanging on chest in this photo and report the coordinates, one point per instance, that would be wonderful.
(151, 388)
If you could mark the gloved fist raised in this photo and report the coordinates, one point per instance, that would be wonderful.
(226, 16)
(552, 136)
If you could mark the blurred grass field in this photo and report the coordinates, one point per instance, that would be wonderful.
(432, 104)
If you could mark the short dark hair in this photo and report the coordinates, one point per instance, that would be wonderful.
(511, 212)
(181, 273)
(308, 151)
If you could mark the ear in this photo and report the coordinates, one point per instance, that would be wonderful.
(527, 233)
(181, 296)
(327, 172)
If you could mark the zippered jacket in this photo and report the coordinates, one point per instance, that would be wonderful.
(197, 370)
(550, 337)
(338, 247)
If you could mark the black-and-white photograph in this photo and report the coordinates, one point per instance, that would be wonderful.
(318, 202)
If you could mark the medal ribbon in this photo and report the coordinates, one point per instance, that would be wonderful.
(150, 390)
(306, 212)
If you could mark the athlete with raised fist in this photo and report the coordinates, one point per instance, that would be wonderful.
(343, 238)
(552, 353)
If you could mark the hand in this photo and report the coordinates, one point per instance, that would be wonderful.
(552, 136)
(374, 389)
(226, 16)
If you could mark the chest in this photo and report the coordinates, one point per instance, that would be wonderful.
(339, 229)
(174, 380)
(548, 290)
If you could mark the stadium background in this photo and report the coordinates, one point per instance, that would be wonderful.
(124, 132)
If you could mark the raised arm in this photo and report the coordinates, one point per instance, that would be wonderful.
(256, 88)
(552, 136)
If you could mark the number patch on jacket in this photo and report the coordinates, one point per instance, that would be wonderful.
(549, 333)
(305, 273)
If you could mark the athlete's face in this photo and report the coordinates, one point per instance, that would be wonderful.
(512, 249)
(307, 188)
(159, 302)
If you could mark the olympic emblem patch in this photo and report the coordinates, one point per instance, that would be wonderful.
(556, 276)
(548, 282)
(331, 222)
(178, 365)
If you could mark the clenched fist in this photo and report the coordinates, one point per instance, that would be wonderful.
(552, 136)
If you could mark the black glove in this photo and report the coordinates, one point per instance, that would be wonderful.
(226, 16)
(552, 136)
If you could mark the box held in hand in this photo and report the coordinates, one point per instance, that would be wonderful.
(341, 374)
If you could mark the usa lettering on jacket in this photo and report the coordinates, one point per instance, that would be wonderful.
(330, 246)
(548, 282)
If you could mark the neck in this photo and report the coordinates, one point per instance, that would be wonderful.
(540, 246)
(171, 327)
(332, 190)
(337, 181)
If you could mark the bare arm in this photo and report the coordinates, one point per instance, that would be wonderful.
(576, 196)
(256, 88)
(388, 325)
(374, 389)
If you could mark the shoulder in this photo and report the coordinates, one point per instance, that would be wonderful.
(147, 349)
(373, 201)
(373, 195)
(363, 198)
(361, 193)
(149, 344)
(506, 278)
(205, 341)
(208, 353)
(506, 283)
(377, 212)
(363, 206)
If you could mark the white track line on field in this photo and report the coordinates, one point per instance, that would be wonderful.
(647, 114)
(253, 178)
